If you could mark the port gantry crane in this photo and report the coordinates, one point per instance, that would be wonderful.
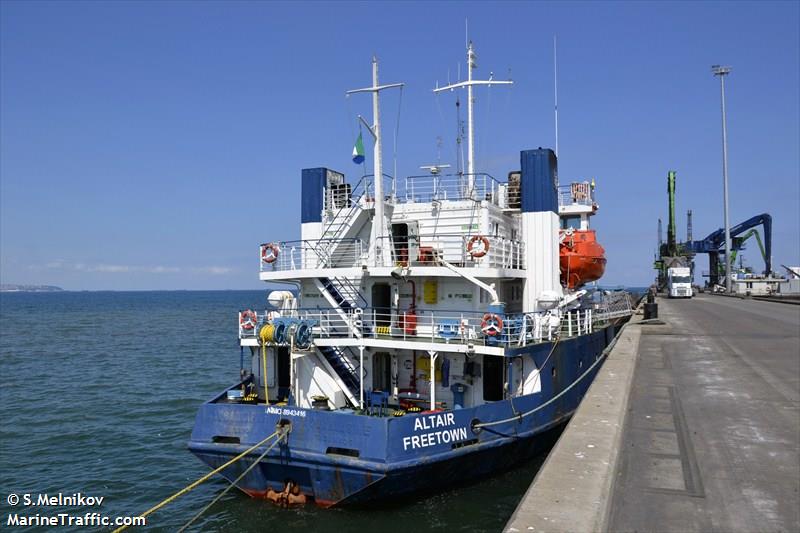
(714, 244)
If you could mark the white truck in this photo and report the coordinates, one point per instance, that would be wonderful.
(679, 282)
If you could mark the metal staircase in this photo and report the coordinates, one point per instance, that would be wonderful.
(347, 372)
(346, 225)
(344, 298)
(344, 293)
(348, 220)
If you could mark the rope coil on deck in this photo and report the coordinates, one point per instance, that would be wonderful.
(267, 333)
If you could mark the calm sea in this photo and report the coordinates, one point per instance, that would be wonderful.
(99, 394)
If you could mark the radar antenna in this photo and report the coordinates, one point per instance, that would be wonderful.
(471, 64)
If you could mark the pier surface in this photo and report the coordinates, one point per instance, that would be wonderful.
(701, 419)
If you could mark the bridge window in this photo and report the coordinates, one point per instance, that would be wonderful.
(573, 222)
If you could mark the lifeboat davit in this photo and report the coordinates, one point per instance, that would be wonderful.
(582, 258)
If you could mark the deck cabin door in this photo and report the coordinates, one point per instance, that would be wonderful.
(493, 377)
(382, 372)
(405, 239)
(382, 304)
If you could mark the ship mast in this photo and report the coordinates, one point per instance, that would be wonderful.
(379, 224)
(471, 64)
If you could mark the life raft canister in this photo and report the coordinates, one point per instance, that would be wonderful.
(269, 252)
(248, 319)
(475, 251)
(491, 324)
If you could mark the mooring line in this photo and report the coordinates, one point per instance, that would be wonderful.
(199, 481)
(603, 355)
(235, 481)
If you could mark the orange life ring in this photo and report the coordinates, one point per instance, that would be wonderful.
(248, 319)
(471, 246)
(491, 324)
(269, 252)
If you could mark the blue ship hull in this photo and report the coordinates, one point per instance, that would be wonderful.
(341, 458)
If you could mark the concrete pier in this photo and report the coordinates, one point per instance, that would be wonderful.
(691, 425)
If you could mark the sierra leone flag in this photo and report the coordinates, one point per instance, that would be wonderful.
(358, 151)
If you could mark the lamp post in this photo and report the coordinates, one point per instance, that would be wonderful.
(721, 72)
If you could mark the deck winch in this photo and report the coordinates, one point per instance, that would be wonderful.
(286, 330)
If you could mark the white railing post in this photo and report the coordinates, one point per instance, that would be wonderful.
(432, 375)
(569, 324)
(361, 376)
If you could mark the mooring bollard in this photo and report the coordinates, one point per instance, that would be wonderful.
(651, 307)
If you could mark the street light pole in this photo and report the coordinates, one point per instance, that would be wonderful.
(721, 71)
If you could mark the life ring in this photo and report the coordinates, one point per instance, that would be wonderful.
(479, 252)
(269, 252)
(248, 319)
(491, 324)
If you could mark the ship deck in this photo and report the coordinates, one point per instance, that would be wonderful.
(702, 428)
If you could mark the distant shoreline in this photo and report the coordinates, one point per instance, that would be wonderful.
(10, 287)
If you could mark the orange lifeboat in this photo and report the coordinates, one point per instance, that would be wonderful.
(582, 258)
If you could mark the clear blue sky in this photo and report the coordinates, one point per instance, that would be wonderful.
(154, 145)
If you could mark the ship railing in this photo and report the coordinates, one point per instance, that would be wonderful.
(443, 187)
(435, 326)
(460, 327)
(307, 254)
(420, 325)
(363, 191)
(614, 304)
(339, 197)
(343, 201)
(577, 322)
(429, 250)
(578, 193)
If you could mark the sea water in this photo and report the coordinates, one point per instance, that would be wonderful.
(98, 395)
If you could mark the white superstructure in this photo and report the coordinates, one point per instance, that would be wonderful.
(402, 284)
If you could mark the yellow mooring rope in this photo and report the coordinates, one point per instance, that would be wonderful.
(282, 430)
(266, 334)
(199, 481)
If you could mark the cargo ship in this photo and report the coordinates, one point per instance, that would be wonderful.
(430, 332)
